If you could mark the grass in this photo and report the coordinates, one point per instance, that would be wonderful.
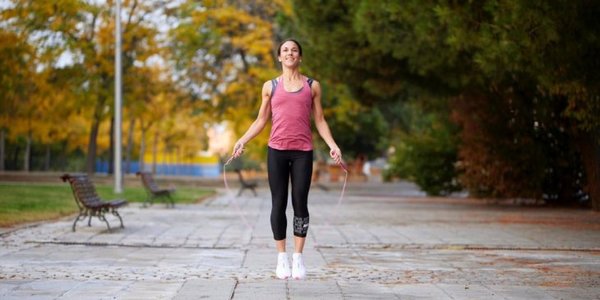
(31, 202)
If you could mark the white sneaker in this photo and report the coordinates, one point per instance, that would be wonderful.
(283, 266)
(298, 270)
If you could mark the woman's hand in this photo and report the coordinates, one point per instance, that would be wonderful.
(238, 149)
(336, 155)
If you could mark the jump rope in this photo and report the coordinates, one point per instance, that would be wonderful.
(239, 210)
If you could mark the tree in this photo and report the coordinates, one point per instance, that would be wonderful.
(15, 78)
(359, 130)
(426, 149)
(223, 52)
(468, 52)
(84, 32)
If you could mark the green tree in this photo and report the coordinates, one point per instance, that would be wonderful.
(359, 130)
(426, 150)
(502, 51)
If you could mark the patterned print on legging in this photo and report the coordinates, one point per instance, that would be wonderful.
(300, 226)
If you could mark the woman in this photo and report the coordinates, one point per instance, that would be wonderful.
(289, 101)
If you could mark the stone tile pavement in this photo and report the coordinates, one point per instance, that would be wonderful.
(386, 241)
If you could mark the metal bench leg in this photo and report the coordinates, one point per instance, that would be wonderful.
(102, 218)
(171, 200)
(147, 201)
(77, 220)
(116, 213)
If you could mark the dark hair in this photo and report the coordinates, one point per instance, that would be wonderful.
(289, 40)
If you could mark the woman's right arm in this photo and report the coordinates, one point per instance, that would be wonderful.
(264, 112)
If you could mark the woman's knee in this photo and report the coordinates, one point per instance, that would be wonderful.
(301, 226)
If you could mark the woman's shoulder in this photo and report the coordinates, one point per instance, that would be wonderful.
(270, 83)
(269, 86)
(311, 80)
(271, 80)
(313, 83)
(307, 78)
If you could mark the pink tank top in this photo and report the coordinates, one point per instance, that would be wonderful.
(291, 112)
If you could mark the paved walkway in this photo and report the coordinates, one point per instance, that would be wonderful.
(384, 242)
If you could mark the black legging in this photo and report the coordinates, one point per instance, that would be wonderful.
(283, 164)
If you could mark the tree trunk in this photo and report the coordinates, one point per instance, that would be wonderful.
(93, 144)
(142, 148)
(177, 160)
(15, 157)
(165, 160)
(27, 157)
(47, 158)
(590, 156)
(92, 147)
(111, 147)
(2, 148)
(154, 152)
(129, 146)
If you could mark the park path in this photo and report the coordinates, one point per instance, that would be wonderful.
(386, 241)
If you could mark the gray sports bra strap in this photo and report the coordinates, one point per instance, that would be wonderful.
(273, 86)
(274, 83)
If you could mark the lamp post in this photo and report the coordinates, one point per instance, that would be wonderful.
(118, 102)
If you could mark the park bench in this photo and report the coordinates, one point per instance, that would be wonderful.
(250, 185)
(88, 201)
(153, 191)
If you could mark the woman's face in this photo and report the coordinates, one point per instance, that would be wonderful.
(290, 54)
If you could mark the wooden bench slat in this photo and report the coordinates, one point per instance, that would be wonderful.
(153, 191)
(244, 184)
(88, 201)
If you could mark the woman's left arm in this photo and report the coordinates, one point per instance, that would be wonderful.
(321, 124)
